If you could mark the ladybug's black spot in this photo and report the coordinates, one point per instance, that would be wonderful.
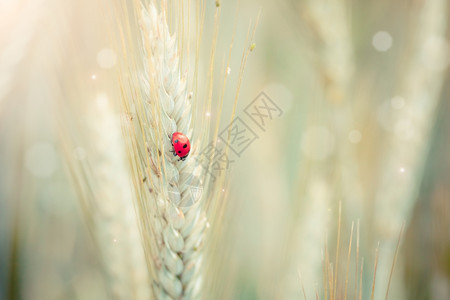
(185, 145)
(179, 151)
(176, 141)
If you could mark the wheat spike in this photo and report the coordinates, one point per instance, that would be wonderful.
(174, 223)
(99, 172)
(173, 197)
(115, 219)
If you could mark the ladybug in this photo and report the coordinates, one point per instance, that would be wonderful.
(181, 145)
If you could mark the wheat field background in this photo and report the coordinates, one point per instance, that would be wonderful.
(339, 187)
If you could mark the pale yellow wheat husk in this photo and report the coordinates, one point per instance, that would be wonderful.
(172, 219)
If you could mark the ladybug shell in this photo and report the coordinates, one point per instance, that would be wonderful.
(181, 144)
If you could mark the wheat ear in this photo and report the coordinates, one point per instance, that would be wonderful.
(115, 219)
(174, 222)
(98, 169)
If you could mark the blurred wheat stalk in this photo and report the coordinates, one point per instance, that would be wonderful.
(88, 121)
(409, 141)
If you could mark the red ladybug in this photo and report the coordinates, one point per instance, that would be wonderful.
(181, 145)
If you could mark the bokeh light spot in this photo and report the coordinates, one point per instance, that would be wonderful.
(382, 41)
